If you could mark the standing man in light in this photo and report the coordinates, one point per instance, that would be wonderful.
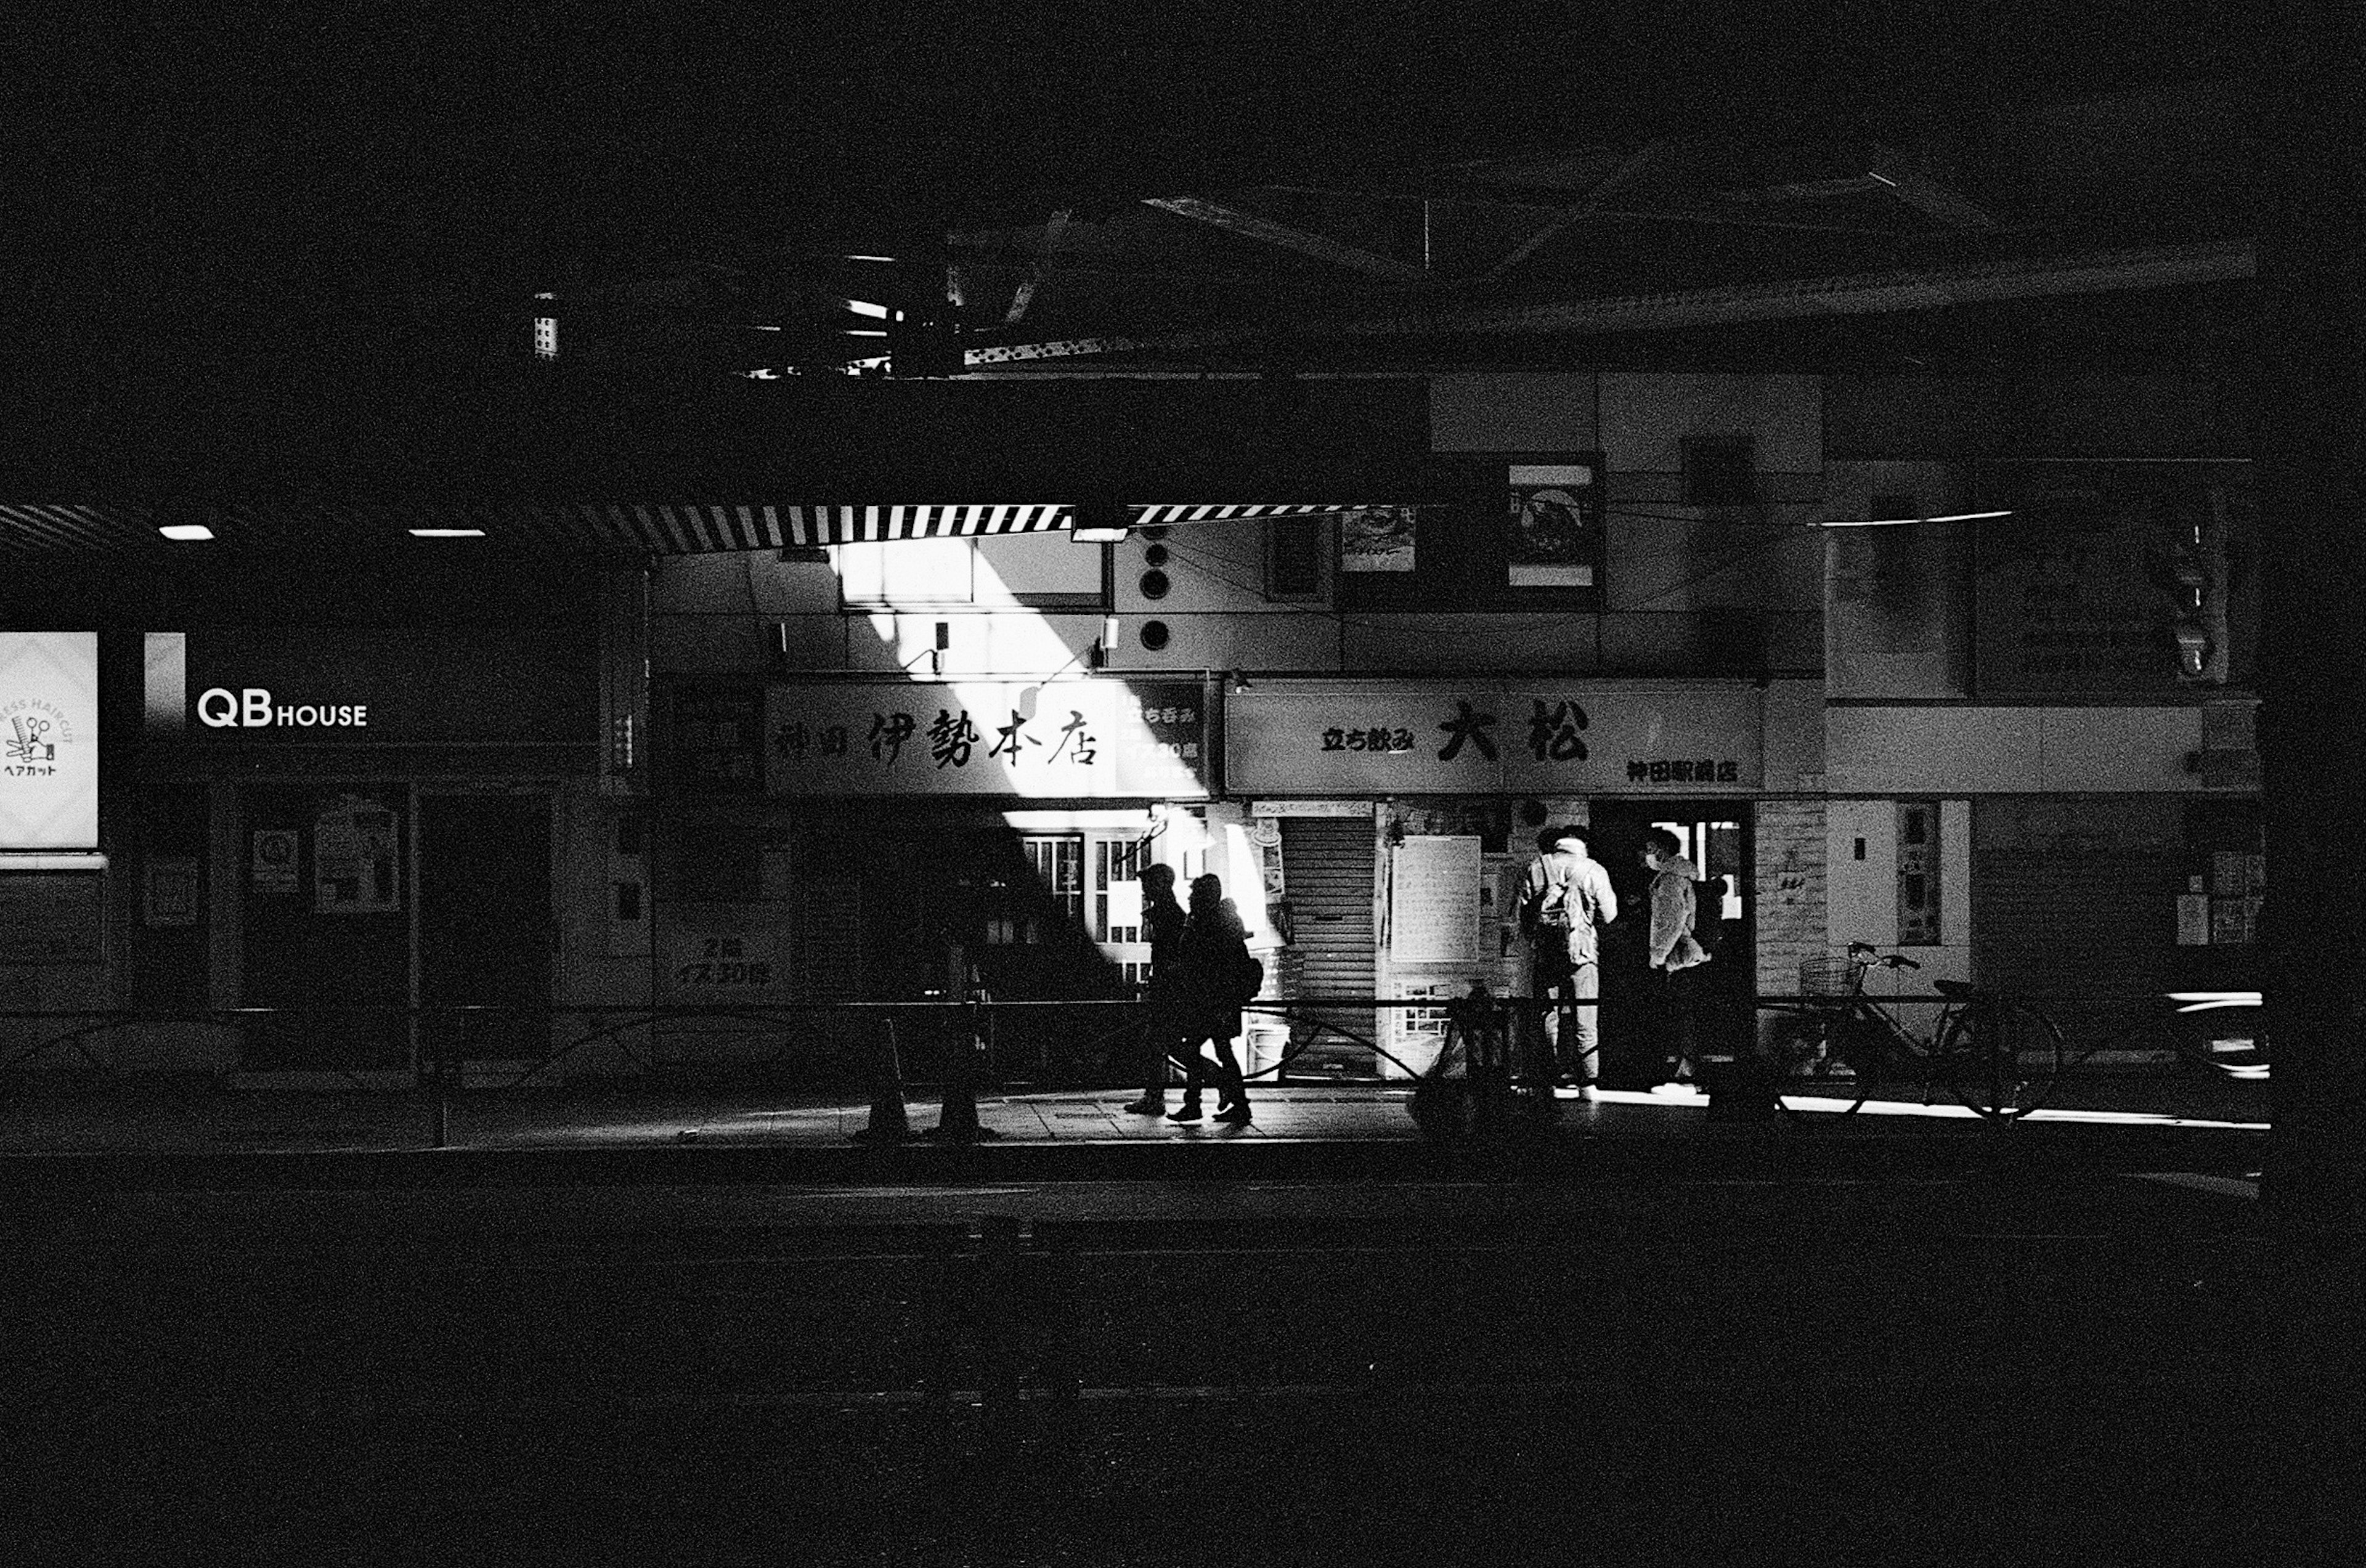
(1564, 897)
(1671, 950)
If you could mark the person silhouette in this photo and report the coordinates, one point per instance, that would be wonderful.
(1215, 959)
(1162, 997)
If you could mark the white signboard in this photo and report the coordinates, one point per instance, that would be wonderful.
(1056, 739)
(273, 868)
(49, 740)
(1573, 738)
(1433, 900)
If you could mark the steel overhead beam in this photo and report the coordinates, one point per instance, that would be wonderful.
(1625, 174)
(1927, 195)
(1250, 226)
(1856, 294)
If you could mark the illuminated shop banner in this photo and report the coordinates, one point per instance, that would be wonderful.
(298, 687)
(49, 740)
(1533, 737)
(1059, 739)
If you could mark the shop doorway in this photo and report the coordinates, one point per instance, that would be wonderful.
(326, 927)
(486, 932)
(1330, 865)
(1717, 838)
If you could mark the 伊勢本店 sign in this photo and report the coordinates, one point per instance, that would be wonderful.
(49, 740)
(1042, 739)
(1535, 737)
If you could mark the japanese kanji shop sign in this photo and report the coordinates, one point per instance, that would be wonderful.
(1058, 739)
(49, 740)
(1436, 738)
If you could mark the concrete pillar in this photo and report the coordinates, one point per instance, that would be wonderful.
(2312, 734)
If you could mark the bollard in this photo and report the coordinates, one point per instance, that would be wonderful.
(1490, 1071)
(957, 1123)
(887, 1124)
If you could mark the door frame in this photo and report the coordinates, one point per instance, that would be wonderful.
(546, 791)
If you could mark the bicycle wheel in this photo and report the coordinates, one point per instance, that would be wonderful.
(1818, 1063)
(2000, 1058)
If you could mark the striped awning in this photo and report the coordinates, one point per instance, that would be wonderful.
(635, 527)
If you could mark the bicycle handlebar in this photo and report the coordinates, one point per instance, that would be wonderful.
(1864, 951)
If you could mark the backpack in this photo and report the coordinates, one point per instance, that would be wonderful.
(1547, 910)
(1708, 913)
(1248, 975)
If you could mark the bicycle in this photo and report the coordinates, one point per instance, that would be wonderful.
(1998, 1056)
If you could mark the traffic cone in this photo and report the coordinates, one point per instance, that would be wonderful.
(887, 1124)
(957, 1123)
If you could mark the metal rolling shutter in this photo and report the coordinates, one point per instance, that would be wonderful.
(1327, 865)
(2086, 906)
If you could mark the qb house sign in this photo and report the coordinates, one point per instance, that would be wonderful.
(250, 708)
(297, 687)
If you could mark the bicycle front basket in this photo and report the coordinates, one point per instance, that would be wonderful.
(1824, 976)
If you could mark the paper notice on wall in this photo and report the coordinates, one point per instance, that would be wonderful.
(1433, 900)
(2193, 920)
(2230, 921)
(353, 862)
(273, 867)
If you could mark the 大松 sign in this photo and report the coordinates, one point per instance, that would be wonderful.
(1042, 739)
(1437, 737)
(49, 740)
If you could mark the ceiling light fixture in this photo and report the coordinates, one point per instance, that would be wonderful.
(185, 531)
(447, 533)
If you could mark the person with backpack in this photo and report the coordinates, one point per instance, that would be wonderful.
(1565, 897)
(1219, 976)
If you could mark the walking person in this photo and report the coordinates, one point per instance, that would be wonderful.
(1672, 949)
(1216, 969)
(1565, 897)
(1162, 1024)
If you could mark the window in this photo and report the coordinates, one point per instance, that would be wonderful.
(1720, 470)
(1523, 531)
(1293, 559)
(1917, 874)
(1039, 571)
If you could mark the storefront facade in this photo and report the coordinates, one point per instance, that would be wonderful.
(1403, 813)
(402, 812)
(829, 840)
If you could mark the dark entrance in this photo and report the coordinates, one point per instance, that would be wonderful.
(1717, 836)
(327, 928)
(485, 925)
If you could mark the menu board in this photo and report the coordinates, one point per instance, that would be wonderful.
(1433, 900)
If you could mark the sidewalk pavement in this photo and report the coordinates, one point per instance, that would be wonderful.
(629, 1129)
